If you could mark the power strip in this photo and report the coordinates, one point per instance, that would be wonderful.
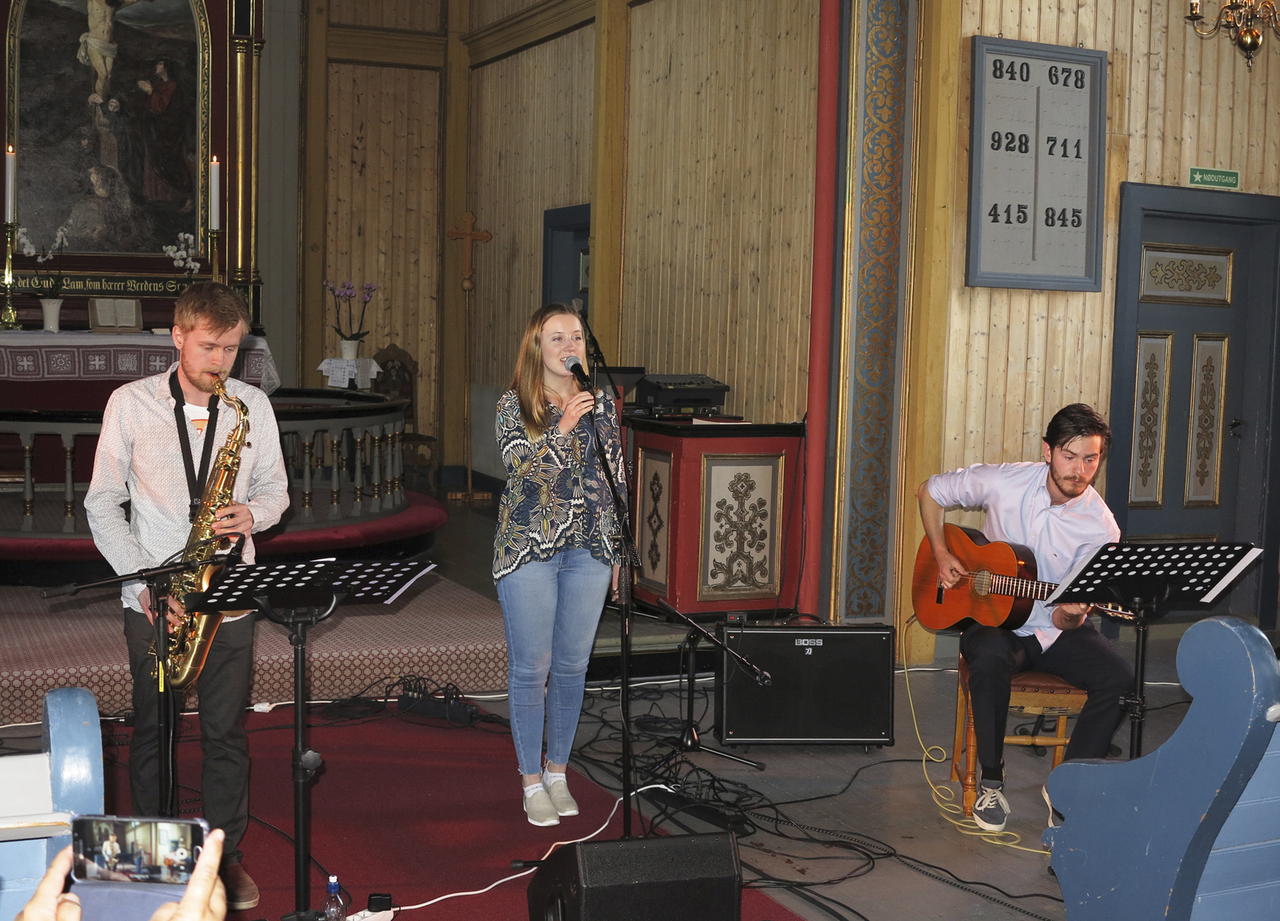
(367, 915)
(455, 711)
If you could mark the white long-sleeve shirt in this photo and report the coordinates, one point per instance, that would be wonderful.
(139, 460)
(1020, 511)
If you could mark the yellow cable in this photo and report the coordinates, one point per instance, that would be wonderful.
(944, 797)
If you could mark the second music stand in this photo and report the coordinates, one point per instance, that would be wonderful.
(1149, 579)
(298, 596)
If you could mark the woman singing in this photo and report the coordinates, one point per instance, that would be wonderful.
(553, 558)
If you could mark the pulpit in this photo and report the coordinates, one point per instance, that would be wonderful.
(715, 509)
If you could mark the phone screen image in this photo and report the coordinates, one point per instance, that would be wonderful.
(135, 850)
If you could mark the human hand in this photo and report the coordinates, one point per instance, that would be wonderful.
(613, 590)
(49, 902)
(578, 406)
(233, 519)
(144, 86)
(950, 569)
(1070, 616)
(95, 99)
(176, 610)
(206, 897)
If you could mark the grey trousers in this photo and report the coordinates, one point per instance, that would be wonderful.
(224, 696)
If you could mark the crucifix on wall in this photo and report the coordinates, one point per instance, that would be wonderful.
(469, 236)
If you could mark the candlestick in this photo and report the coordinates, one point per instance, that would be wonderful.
(10, 185)
(213, 254)
(215, 195)
(9, 316)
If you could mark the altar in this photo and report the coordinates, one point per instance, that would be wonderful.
(37, 359)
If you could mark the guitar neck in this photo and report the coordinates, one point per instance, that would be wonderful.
(1022, 588)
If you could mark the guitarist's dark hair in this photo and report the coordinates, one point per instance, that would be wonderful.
(1075, 421)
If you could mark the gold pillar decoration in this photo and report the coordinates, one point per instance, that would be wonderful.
(254, 274)
(237, 271)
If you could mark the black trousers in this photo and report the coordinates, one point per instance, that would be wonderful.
(1082, 657)
(224, 696)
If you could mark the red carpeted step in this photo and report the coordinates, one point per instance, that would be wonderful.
(422, 515)
(409, 807)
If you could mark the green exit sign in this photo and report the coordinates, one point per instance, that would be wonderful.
(1215, 178)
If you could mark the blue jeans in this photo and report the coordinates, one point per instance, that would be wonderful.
(550, 611)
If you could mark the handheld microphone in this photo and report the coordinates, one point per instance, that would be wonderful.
(574, 364)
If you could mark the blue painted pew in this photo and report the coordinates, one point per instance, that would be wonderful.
(40, 791)
(1191, 831)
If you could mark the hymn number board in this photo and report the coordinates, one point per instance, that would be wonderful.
(1036, 166)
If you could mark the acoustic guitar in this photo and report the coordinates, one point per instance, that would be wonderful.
(998, 591)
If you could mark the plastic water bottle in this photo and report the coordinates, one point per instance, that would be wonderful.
(333, 909)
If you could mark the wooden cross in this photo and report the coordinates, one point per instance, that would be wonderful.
(471, 235)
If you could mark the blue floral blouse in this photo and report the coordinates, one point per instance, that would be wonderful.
(556, 496)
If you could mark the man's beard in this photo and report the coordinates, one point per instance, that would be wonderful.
(1071, 488)
(203, 380)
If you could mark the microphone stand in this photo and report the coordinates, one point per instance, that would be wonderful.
(689, 741)
(630, 562)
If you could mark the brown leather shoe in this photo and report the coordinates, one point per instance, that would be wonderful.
(242, 891)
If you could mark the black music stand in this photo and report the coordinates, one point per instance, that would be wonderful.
(1150, 579)
(298, 596)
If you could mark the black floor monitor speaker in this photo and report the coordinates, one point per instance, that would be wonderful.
(830, 684)
(679, 878)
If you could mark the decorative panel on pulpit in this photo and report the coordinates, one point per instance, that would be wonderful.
(713, 516)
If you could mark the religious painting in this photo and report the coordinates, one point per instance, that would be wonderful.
(111, 122)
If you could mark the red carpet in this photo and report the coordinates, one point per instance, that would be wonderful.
(417, 809)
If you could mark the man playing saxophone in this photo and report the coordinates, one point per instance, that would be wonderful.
(158, 436)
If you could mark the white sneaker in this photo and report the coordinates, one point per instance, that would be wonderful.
(539, 808)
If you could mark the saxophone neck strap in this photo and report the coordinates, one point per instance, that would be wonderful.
(195, 483)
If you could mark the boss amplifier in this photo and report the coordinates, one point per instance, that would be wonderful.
(830, 684)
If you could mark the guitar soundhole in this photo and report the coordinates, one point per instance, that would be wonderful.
(981, 583)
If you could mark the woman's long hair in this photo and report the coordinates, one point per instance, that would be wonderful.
(527, 380)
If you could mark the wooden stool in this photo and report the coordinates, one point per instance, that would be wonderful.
(1033, 693)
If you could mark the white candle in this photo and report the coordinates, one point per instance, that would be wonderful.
(215, 195)
(11, 185)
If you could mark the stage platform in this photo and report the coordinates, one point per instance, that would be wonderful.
(439, 630)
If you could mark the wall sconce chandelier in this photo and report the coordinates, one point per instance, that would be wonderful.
(1243, 21)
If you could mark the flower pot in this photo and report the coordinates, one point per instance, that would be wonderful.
(51, 307)
(350, 348)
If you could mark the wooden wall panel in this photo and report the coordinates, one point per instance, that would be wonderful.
(1175, 101)
(383, 211)
(718, 231)
(530, 151)
(411, 15)
(487, 12)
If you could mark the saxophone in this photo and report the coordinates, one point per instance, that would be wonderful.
(190, 638)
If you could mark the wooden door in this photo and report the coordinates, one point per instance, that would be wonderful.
(1193, 398)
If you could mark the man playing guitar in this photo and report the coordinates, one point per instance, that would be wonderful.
(1052, 509)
